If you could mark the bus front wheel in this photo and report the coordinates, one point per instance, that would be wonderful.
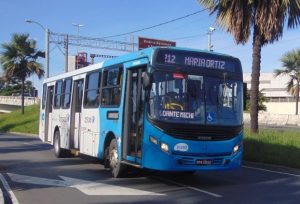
(116, 167)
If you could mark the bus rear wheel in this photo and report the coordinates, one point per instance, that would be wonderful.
(116, 167)
(58, 151)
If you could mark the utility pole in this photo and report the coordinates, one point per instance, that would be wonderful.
(132, 41)
(66, 44)
(47, 53)
(209, 33)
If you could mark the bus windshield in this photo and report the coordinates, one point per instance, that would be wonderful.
(195, 99)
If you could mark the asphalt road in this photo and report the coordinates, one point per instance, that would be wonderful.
(29, 173)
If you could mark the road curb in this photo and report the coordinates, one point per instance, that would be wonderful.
(20, 133)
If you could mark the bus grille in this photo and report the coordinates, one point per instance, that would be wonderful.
(203, 134)
(199, 132)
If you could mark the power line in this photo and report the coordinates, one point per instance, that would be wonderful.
(190, 36)
(160, 24)
(93, 42)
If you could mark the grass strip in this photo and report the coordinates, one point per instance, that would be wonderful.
(16, 122)
(280, 147)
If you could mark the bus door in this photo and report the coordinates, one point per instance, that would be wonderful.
(133, 116)
(48, 114)
(76, 114)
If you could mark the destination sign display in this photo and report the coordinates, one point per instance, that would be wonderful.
(194, 59)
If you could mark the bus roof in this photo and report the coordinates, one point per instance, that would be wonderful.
(148, 52)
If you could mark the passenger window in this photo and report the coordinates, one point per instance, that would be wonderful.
(58, 92)
(44, 96)
(111, 89)
(91, 98)
(66, 95)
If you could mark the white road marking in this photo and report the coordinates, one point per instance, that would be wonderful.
(86, 187)
(271, 171)
(8, 189)
(189, 187)
(36, 180)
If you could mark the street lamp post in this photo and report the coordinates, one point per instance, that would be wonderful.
(78, 26)
(210, 31)
(47, 35)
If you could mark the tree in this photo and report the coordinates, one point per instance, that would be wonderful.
(14, 87)
(266, 20)
(291, 66)
(18, 60)
(261, 100)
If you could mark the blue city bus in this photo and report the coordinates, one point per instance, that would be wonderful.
(167, 109)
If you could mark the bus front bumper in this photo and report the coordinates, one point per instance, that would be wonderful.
(155, 158)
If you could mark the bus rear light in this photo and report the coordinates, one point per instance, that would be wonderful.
(164, 147)
(153, 140)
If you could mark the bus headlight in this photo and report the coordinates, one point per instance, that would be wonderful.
(164, 147)
(236, 148)
(153, 140)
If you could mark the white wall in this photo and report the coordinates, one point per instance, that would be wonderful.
(272, 86)
(282, 107)
(275, 119)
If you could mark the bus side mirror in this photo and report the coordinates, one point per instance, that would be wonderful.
(146, 81)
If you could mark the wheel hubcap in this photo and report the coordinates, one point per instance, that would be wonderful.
(114, 158)
(56, 145)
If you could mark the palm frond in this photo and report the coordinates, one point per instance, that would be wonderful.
(290, 66)
(233, 16)
(18, 58)
(293, 11)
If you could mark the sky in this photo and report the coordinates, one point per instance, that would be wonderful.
(112, 17)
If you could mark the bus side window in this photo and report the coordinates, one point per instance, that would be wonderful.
(111, 89)
(67, 87)
(57, 95)
(44, 96)
(92, 90)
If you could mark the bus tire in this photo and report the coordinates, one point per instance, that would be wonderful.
(116, 167)
(58, 151)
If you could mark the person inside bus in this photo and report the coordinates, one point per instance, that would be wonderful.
(194, 96)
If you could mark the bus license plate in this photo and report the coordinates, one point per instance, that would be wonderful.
(204, 162)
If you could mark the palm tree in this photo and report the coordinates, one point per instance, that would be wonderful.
(18, 59)
(261, 100)
(266, 20)
(291, 66)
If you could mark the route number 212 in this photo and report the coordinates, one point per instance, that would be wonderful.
(170, 59)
